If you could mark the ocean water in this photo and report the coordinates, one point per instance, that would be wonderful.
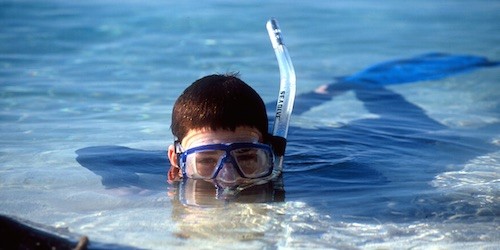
(87, 90)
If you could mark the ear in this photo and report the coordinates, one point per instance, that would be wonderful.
(174, 173)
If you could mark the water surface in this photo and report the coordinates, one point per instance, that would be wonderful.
(86, 96)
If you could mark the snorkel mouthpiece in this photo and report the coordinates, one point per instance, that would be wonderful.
(286, 96)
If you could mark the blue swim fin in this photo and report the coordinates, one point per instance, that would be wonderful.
(432, 66)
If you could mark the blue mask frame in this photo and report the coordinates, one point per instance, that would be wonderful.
(227, 148)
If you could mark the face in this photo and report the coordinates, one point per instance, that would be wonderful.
(195, 138)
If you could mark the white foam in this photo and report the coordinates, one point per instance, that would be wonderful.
(473, 190)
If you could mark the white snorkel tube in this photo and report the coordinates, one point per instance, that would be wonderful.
(286, 97)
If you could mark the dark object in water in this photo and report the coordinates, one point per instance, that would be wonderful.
(19, 234)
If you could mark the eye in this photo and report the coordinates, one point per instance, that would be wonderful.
(243, 151)
(202, 163)
(246, 154)
(247, 157)
(206, 161)
(208, 158)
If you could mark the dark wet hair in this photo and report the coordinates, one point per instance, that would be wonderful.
(218, 102)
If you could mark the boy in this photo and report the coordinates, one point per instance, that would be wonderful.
(221, 134)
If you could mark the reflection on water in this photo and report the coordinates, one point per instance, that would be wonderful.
(200, 212)
(202, 193)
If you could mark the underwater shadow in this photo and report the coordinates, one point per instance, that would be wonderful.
(361, 155)
(121, 166)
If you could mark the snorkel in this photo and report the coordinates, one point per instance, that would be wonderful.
(286, 97)
(284, 106)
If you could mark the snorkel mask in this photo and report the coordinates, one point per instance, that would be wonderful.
(226, 162)
(251, 163)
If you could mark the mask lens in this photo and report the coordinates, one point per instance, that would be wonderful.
(253, 162)
(203, 163)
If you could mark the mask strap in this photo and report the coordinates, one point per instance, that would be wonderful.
(178, 151)
(278, 144)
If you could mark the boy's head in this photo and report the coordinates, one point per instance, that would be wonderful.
(218, 102)
(221, 122)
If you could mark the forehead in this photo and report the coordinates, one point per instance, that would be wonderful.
(206, 136)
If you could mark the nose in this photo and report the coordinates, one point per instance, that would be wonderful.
(228, 173)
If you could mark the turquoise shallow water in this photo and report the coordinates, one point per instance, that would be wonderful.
(87, 89)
